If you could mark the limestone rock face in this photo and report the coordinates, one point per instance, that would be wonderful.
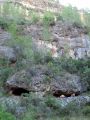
(19, 80)
(67, 85)
(29, 80)
(71, 37)
(7, 53)
(13, 104)
(35, 80)
(10, 103)
(78, 101)
(4, 37)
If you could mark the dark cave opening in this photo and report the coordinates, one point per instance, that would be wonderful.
(65, 94)
(18, 91)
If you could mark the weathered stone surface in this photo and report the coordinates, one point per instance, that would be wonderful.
(13, 104)
(31, 80)
(10, 103)
(7, 53)
(4, 37)
(78, 101)
(19, 80)
(35, 80)
(67, 85)
(71, 37)
(20, 111)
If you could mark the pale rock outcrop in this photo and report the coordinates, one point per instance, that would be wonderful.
(35, 80)
(8, 53)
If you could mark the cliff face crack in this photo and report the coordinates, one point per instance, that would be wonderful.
(18, 91)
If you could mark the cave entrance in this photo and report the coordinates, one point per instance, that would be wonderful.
(65, 94)
(18, 91)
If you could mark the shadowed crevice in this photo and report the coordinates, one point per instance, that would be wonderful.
(18, 91)
(65, 94)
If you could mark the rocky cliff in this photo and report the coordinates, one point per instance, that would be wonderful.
(72, 38)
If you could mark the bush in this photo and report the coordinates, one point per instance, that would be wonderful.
(4, 23)
(55, 69)
(74, 66)
(86, 111)
(51, 102)
(59, 17)
(5, 115)
(34, 17)
(41, 56)
(48, 18)
(5, 70)
(86, 75)
(79, 67)
(68, 65)
(87, 19)
(36, 108)
(46, 34)
(30, 115)
(55, 105)
(71, 14)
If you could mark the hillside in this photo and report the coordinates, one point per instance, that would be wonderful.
(44, 61)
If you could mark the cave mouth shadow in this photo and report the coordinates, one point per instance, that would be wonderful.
(16, 91)
(58, 94)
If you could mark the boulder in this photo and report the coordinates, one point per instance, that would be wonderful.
(19, 80)
(7, 53)
(35, 80)
(67, 84)
(30, 80)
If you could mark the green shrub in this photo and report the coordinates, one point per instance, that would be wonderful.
(5, 70)
(86, 75)
(12, 12)
(12, 28)
(55, 105)
(71, 109)
(59, 17)
(41, 57)
(71, 14)
(34, 17)
(54, 68)
(68, 65)
(74, 66)
(87, 19)
(30, 115)
(38, 57)
(86, 111)
(46, 34)
(36, 108)
(27, 46)
(51, 102)
(4, 73)
(48, 18)
(79, 67)
(5, 115)
(4, 23)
